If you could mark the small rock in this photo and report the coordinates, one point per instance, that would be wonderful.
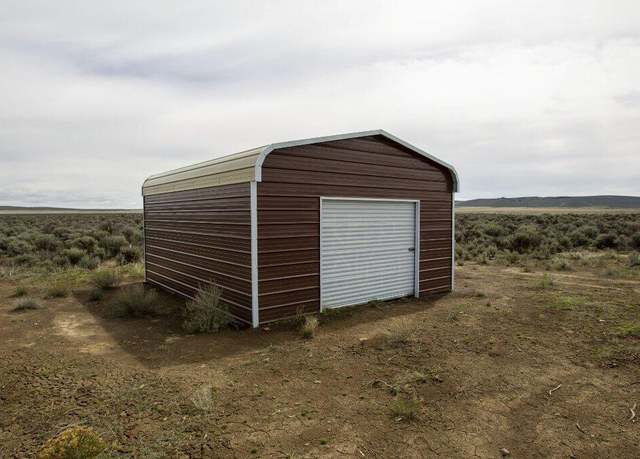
(363, 340)
(505, 452)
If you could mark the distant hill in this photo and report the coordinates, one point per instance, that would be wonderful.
(613, 202)
(40, 210)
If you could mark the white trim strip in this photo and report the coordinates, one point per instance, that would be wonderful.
(416, 228)
(255, 313)
(453, 239)
(320, 248)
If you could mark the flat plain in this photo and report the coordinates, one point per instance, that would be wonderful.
(529, 357)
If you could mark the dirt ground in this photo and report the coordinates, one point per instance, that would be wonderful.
(539, 366)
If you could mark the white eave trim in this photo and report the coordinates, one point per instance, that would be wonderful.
(353, 135)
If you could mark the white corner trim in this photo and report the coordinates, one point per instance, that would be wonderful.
(255, 313)
(416, 278)
(353, 135)
(453, 239)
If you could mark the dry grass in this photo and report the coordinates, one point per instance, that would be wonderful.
(26, 304)
(105, 279)
(405, 409)
(400, 332)
(57, 289)
(202, 398)
(309, 327)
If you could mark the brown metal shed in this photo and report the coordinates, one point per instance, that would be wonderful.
(304, 225)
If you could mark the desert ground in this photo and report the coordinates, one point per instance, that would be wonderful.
(535, 354)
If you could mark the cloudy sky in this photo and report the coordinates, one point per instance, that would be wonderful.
(524, 98)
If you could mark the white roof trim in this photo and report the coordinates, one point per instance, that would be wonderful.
(353, 135)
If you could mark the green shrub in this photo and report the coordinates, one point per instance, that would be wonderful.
(634, 259)
(76, 442)
(96, 294)
(25, 304)
(89, 262)
(405, 409)
(20, 291)
(130, 254)
(74, 255)
(57, 289)
(606, 241)
(206, 313)
(86, 243)
(48, 242)
(17, 247)
(135, 301)
(635, 241)
(26, 259)
(113, 244)
(525, 239)
(105, 278)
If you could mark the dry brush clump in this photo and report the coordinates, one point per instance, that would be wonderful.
(25, 304)
(400, 332)
(206, 313)
(135, 301)
(309, 327)
(105, 279)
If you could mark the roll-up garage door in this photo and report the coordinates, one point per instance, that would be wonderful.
(367, 250)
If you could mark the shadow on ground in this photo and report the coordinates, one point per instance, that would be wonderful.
(160, 342)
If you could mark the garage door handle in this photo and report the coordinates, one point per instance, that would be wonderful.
(412, 249)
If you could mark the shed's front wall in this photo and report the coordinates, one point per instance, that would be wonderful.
(294, 179)
(201, 236)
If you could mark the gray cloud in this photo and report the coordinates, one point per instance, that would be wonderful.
(521, 100)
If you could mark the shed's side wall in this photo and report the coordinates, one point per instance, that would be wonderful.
(200, 236)
(294, 178)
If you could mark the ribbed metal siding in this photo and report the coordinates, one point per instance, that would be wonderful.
(367, 251)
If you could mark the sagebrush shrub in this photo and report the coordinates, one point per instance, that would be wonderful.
(606, 241)
(74, 255)
(130, 254)
(57, 289)
(113, 244)
(25, 304)
(309, 327)
(135, 301)
(105, 279)
(88, 262)
(206, 313)
(47, 242)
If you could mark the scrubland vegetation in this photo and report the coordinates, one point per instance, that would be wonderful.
(45, 243)
(538, 239)
(536, 352)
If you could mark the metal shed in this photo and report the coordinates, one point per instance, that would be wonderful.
(304, 225)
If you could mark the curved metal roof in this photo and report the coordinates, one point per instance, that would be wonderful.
(246, 166)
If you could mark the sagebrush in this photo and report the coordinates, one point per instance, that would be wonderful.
(206, 313)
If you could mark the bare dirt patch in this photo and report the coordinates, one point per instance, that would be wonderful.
(465, 375)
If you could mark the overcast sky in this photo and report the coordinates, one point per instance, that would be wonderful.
(524, 98)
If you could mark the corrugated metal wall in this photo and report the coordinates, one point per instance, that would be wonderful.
(199, 236)
(294, 178)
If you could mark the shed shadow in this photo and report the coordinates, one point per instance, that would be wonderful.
(160, 342)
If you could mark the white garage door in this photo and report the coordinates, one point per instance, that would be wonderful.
(367, 251)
